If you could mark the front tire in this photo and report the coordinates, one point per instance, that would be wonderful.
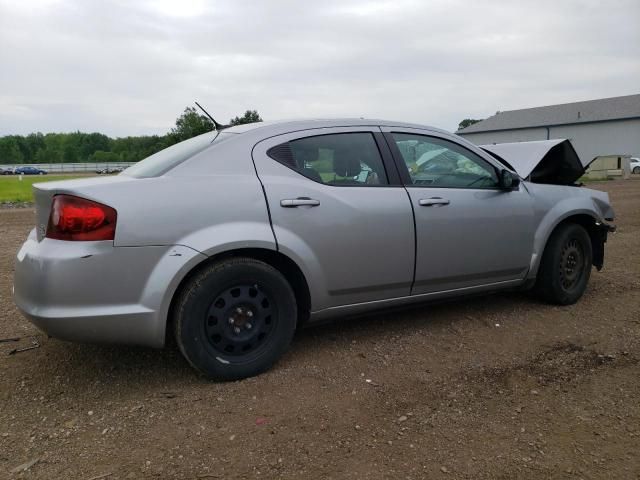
(235, 318)
(636, 170)
(566, 265)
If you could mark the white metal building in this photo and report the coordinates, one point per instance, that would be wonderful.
(608, 126)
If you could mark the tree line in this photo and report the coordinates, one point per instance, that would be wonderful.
(97, 147)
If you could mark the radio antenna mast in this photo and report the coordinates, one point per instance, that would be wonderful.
(218, 126)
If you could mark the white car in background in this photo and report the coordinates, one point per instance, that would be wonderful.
(634, 165)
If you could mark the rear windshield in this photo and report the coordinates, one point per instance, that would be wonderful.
(163, 161)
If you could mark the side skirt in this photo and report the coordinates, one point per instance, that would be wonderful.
(358, 308)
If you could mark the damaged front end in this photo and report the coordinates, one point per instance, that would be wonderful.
(553, 162)
(598, 239)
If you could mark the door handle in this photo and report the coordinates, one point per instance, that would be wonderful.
(430, 202)
(299, 202)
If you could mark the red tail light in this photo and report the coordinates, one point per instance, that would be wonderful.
(75, 218)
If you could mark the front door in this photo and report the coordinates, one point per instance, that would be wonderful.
(468, 231)
(336, 213)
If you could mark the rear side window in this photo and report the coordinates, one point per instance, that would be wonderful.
(341, 159)
(163, 161)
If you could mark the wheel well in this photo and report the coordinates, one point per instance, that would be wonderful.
(595, 232)
(277, 260)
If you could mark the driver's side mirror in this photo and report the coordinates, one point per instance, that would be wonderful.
(508, 180)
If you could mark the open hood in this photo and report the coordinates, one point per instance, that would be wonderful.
(544, 161)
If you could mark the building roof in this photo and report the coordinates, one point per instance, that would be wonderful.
(604, 109)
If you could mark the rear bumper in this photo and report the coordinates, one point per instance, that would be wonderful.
(95, 292)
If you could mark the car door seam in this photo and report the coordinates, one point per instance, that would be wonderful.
(266, 200)
(413, 212)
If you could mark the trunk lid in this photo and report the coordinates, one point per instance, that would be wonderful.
(546, 161)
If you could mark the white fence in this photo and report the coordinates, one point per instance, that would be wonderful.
(70, 167)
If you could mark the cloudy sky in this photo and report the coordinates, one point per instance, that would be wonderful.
(130, 67)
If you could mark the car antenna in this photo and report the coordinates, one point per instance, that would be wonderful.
(218, 126)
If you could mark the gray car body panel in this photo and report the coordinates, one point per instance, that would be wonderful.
(555, 203)
(349, 258)
(356, 250)
(542, 161)
(523, 156)
(499, 222)
(91, 291)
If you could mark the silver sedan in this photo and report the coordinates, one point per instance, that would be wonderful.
(231, 240)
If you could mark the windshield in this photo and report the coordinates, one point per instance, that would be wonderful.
(163, 161)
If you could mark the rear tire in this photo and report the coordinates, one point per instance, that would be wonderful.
(566, 265)
(636, 170)
(235, 318)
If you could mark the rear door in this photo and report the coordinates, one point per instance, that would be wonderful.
(339, 210)
(469, 232)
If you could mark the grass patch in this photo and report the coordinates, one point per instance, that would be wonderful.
(14, 190)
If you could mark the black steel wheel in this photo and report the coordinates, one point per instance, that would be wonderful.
(571, 264)
(565, 267)
(240, 320)
(235, 318)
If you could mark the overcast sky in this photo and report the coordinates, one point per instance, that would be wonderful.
(130, 67)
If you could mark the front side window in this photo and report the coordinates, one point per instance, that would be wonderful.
(436, 162)
(343, 159)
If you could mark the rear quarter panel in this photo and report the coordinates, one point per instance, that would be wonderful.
(212, 202)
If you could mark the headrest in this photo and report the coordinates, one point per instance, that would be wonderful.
(346, 163)
(306, 155)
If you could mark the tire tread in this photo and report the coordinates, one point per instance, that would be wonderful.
(547, 282)
(190, 290)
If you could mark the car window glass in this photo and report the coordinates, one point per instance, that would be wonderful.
(441, 163)
(164, 160)
(344, 159)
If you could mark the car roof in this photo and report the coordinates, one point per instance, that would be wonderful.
(277, 127)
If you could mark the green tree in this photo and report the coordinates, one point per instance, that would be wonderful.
(48, 155)
(132, 149)
(92, 142)
(190, 124)
(10, 150)
(101, 156)
(97, 147)
(33, 142)
(250, 116)
(467, 122)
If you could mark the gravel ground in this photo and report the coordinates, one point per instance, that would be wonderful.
(495, 387)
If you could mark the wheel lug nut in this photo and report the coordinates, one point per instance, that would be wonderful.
(238, 310)
(249, 313)
(237, 330)
(249, 326)
(231, 321)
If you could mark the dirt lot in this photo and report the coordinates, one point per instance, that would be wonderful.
(494, 387)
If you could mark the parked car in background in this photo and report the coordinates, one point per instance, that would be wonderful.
(29, 171)
(109, 170)
(6, 171)
(231, 240)
(634, 165)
